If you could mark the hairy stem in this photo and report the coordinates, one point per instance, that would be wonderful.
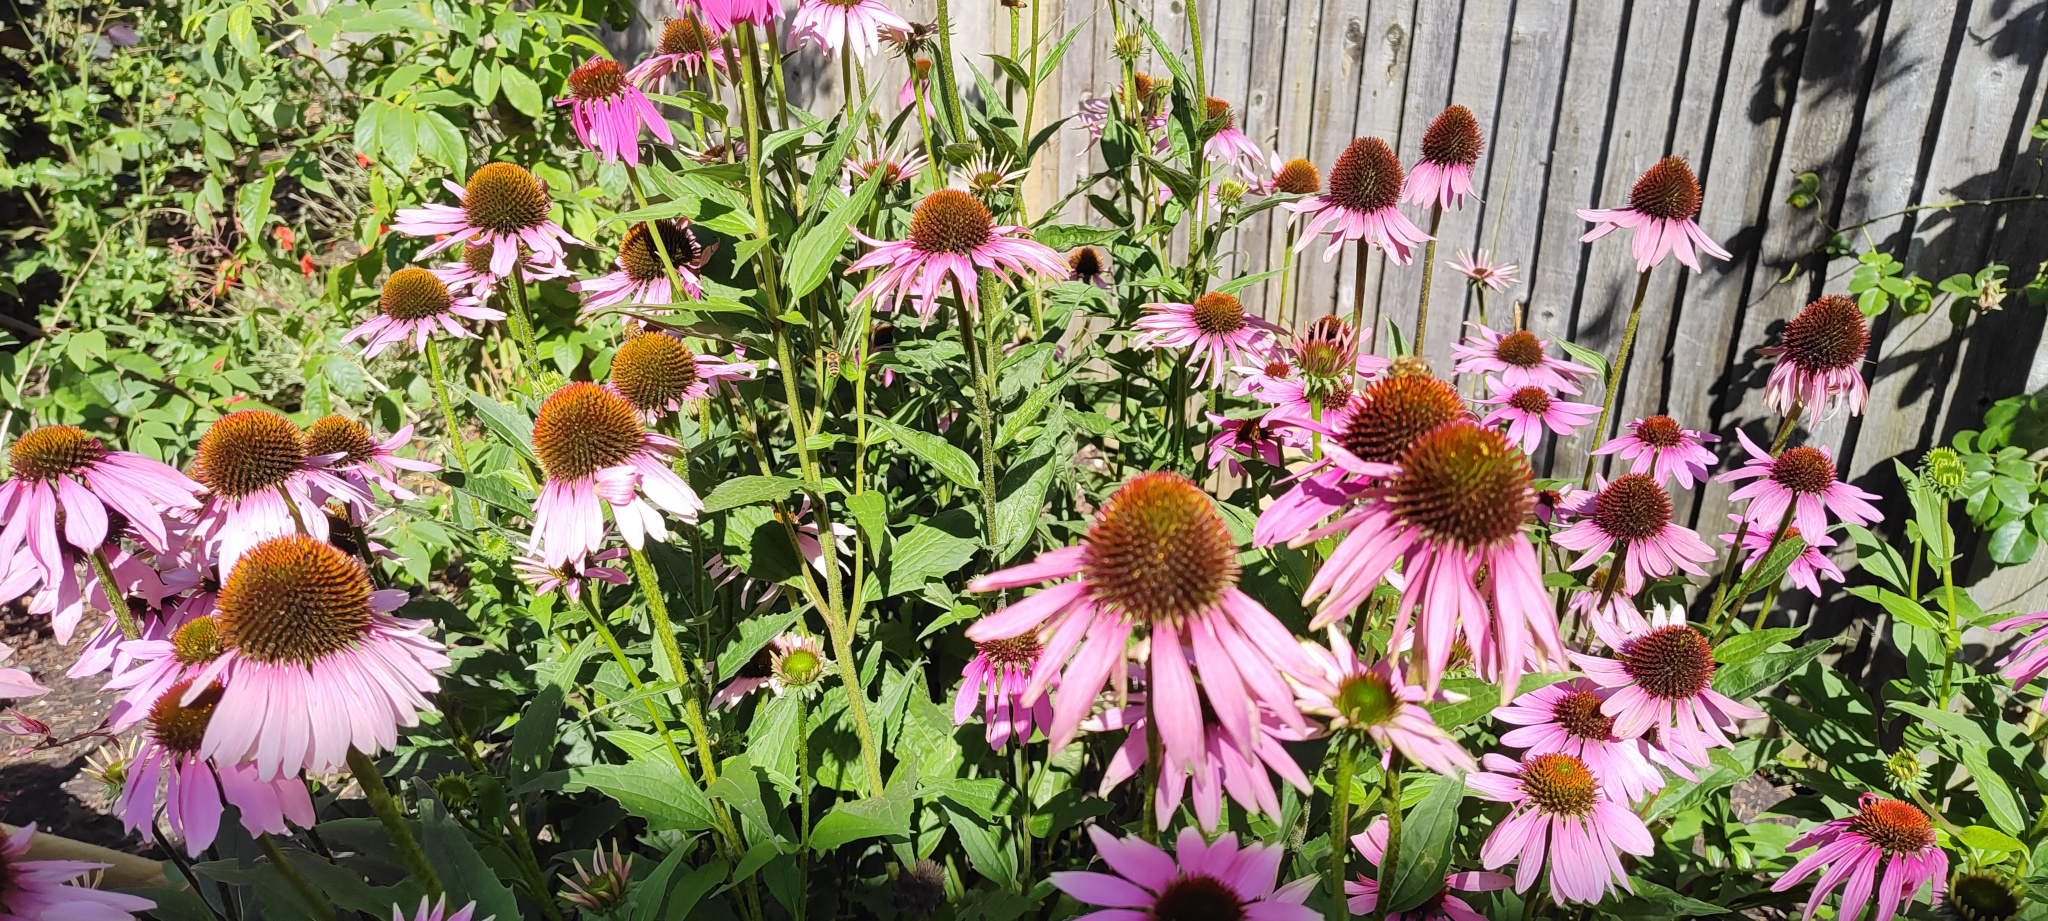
(1436, 217)
(1392, 857)
(1340, 829)
(1620, 370)
(117, 600)
(392, 814)
(316, 902)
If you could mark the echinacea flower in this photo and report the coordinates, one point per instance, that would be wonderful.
(684, 48)
(853, 25)
(1443, 177)
(1662, 679)
(642, 277)
(996, 679)
(1159, 561)
(1243, 771)
(1445, 905)
(63, 475)
(722, 15)
(360, 459)
(1364, 188)
(1518, 358)
(1090, 114)
(2029, 657)
(918, 86)
(35, 890)
(569, 576)
(1229, 144)
(1805, 570)
(952, 236)
(1373, 699)
(1660, 215)
(1819, 359)
(658, 374)
(595, 452)
(1215, 881)
(313, 662)
(470, 275)
(1214, 329)
(1660, 447)
(1884, 836)
(1798, 487)
(1328, 362)
(261, 484)
(894, 166)
(607, 111)
(438, 911)
(603, 886)
(195, 788)
(789, 661)
(503, 206)
(1527, 410)
(16, 684)
(414, 305)
(986, 177)
(1565, 717)
(1631, 516)
(1237, 440)
(1480, 270)
(1560, 811)
(155, 663)
(1089, 265)
(1297, 177)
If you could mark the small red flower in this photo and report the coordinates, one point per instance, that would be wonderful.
(306, 265)
(285, 238)
(361, 160)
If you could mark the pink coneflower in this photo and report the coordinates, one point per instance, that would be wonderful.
(1443, 177)
(1480, 270)
(1244, 772)
(918, 86)
(568, 577)
(658, 374)
(1662, 679)
(1158, 558)
(1373, 699)
(263, 484)
(1631, 516)
(1296, 177)
(1370, 433)
(602, 887)
(1519, 359)
(16, 684)
(1090, 114)
(684, 49)
(1565, 717)
(360, 459)
(1214, 329)
(2029, 657)
(63, 595)
(722, 15)
(951, 236)
(1660, 214)
(1801, 479)
(894, 166)
(592, 447)
(1559, 811)
(155, 663)
(1365, 186)
(1229, 144)
(1819, 359)
(415, 304)
(1238, 440)
(62, 473)
(1806, 569)
(34, 890)
(502, 207)
(1454, 511)
(438, 911)
(1526, 411)
(313, 662)
(1613, 615)
(1089, 265)
(1318, 384)
(789, 661)
(855, 25)
(1217, 880)
(996, 679)
(1661, 448)
(194, 788)
(1445, 905)
(607, 111)
(470, 276)
(642, 278)
(1884, 834)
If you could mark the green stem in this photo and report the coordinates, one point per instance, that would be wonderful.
(956, 114)
(1358, 291)
(117, 600)
(1620, 369)
(1286, 309)
(456, 449)
(803, 793)
(1340, 829)
(311, 896)
(1195, 36)
(1436, 217)
(1742, 593)
(529, 866)
(1021, 763)
(392, 814)
(1392, 857)
(676, 291)
(1735, 551)
(522, 325)
(983, 418)
(856, 697)
(611, 642)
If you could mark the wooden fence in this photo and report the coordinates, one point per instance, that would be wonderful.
(1892, 104)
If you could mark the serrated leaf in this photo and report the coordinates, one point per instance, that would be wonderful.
(923, 553)
(749, 490)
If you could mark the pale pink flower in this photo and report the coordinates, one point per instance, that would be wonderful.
(1219, 878)
(1090, 114)
(1801, 480)
(1244, 772)
(414, 305)
(438, 911)
(596, 454)
(16, 684)
(1315, 382)
(262, 484)
(1806, 569)
(1445, 905)
(1565, 717)
(1519, 359)
(1238, 440)
(1560, 811)
(2029, 657)
(659, 375)
(1631, 516)
(641, 277)
(1660, 213)
(1617, 617)
(952, 237)
(1214, 329)
(50, 890)
(722, 15)
(1480, 270)
(568, 577)
(1229, 144)
(918, 85)
(789, 661)
(607, 112)
(1659, 447)
(1820, 357)
(1662, 679)
(359, 459)
(854, 25)
(1527, 410)
(470, 276)
(896, 167)
(684, 48)
(997, 678)
(63, 475)
(194, 787)
(154, 662)
(1364, 188)
(1374, 699)
(1885, 835)
(502, 207)
(63, 595)
(1443, 177)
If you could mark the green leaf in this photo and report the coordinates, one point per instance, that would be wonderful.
(533, 740)
(1990, 839)
(512, 426)
(441, 143)
(885, 816)
(749, 490)
(932, 449)
(1653, 902)
(1426, 837)
(520, 90)
(1747, 646)
(1752, 675)
(924, 553)
(1587, 357)
(871, 512)
(1772, 567)
(755, 632)
(1905, 609)
(463, 872)
(649, 788)
(691, 889)
(811, 259)
(1072, 236)
(1879, 558)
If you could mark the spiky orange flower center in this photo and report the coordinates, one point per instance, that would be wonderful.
(1453, 139)
(503, 198)
(600, 78)
(1198, 898)
(950, 221)
(1019, 652)
(653, 370)
(642, 261)
(1829, 335)
(682, 36)
(1560, 784)
(1520, 348)
(294, 599)
(1667, 191)
(181, 728)
(1532, 400)
(1633, 508)
(1659, 432)
(584, 428)
(1298, 177)
(1329, 348)
(1145, 84)
(1465, 485)
(1217, 314)
(198, 642)
(413, 294)
(1159, 552)
(52, 451)
(1805, 470)
(1579, 713)
(1368, 699)
(1086, 263)
(1897, 827)
(1396, 411)
(1669, 663)
(1278, 370)
(1215, 108)
(248, 451)
(338, 435)
(1367, 177)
